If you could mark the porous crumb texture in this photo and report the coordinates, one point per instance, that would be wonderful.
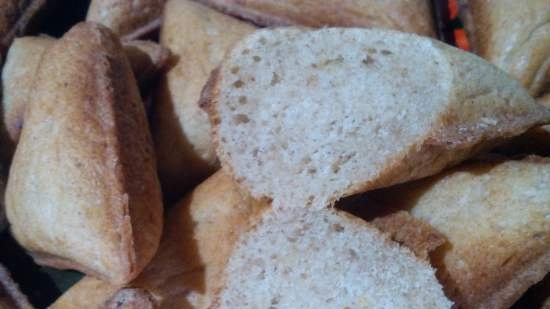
(325, 259)
(297, 118)
(304, 121)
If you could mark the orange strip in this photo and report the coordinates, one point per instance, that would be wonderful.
(461, 39)
(453, 9)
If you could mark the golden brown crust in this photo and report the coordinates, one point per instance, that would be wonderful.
(94, 159)
(128, 19)
(146, 58)
(198, 38)
(457, 134)
(18, 75)
(10, 296)
(198, 237)
(419, 237)
(408, 16)
(515, 36)
(495, 251)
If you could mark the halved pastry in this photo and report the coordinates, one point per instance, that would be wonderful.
(302, 121)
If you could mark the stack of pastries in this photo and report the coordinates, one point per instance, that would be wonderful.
(280, 154)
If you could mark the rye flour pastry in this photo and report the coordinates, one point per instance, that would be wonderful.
(495, 217)
(290, 106)
(404, 15)
(83, 191)
(199, 38)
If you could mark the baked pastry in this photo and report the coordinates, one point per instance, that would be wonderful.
(515, 36)
(128, 19)
(303, 122)
(403, 15)
(198, 237)
(83, 191)
(198, 37)
(494, 215)
(147, 60)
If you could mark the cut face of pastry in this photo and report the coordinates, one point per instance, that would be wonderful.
(301, 121)
(83, 191)
(407, 16)
(213, 221)
(198, 37)
(146, 58)
(198, 237)
(128, 19)
(324, 259)
(515, 36)
(495, 217)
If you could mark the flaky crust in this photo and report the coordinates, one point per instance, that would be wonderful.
(198, 238)
(408, 16)
(128, 19)
(85, 156)
(198, 37)
(515, 36)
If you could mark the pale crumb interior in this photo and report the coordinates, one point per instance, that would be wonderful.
(303, 119)
(322, 259)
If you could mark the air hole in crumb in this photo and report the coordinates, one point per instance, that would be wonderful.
(312, 80)
(275, 79)
(371, 50)
(238, 84)
(335, 167)
(263, 40)
(257, 58)
(246, 51)
(235, 70)
(309, 200)
(368, 60)
(337, 227)
(275, 300)
(242, 100)
(240, 119)
(386, 52)
(311, 170)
